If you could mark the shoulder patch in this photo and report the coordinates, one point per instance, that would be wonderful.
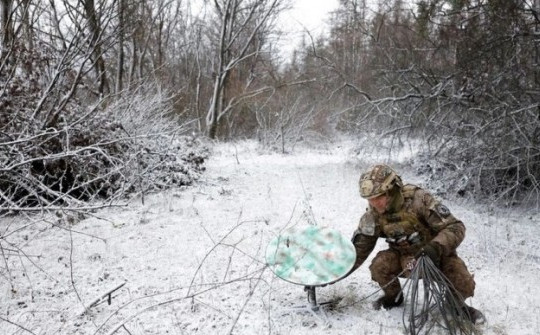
(367, 225)
(442, 210)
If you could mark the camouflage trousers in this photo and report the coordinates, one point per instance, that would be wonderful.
(389, 263)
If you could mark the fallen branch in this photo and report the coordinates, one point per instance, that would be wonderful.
(107, 295)
(170, 301)
(17, 325)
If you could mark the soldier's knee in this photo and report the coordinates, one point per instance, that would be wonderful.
(467, 285)
(376, 271)
(460, 277)
(385, 264)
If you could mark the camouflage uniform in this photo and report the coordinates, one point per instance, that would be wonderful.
(413, 219)
(413, 223)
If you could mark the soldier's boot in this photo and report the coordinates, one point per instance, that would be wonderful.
(475, 316)
(465, 311)
(392, 297)
(384, 270)
(388, 302)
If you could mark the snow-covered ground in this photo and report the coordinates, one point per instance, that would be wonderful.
(192, 260)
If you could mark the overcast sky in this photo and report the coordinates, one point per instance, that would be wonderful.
(305, 14)
(310, 13)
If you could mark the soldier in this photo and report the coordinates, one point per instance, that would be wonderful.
(413, 223)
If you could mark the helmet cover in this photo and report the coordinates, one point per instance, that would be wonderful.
(377, 180)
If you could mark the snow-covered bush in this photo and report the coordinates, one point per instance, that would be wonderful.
(160, 155)
(68, 154)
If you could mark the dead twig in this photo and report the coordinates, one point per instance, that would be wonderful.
(246, 301)
(72, 279)
(104, 295)
(238, 224)
(17, 325)
(213, 286)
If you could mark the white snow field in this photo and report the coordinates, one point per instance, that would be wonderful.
(191, 261)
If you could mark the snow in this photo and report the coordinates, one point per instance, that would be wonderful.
(192, 259)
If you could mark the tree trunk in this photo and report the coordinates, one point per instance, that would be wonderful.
(7, 26)
(213, 114)
(240, 26)
(133, 65)
(537, 44)
(121, 34)
(95, 45)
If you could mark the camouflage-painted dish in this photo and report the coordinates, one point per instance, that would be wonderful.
(310, 256)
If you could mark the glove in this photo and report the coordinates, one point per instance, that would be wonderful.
(433, 250)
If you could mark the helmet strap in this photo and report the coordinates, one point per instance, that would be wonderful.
(396, 199)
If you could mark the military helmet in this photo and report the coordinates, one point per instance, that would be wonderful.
(377, 180)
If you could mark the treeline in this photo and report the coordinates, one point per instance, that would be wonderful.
(463, 77)
(460, 78)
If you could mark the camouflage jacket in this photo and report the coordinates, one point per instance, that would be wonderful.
(419, 219)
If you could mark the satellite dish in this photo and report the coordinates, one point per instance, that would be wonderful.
(310, 256)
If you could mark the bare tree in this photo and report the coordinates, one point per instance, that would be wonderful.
(121, 57)
(95, 30)
(242, 27)
(6, 21)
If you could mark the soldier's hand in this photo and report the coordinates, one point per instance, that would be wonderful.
(411, 265)
(433, 250)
